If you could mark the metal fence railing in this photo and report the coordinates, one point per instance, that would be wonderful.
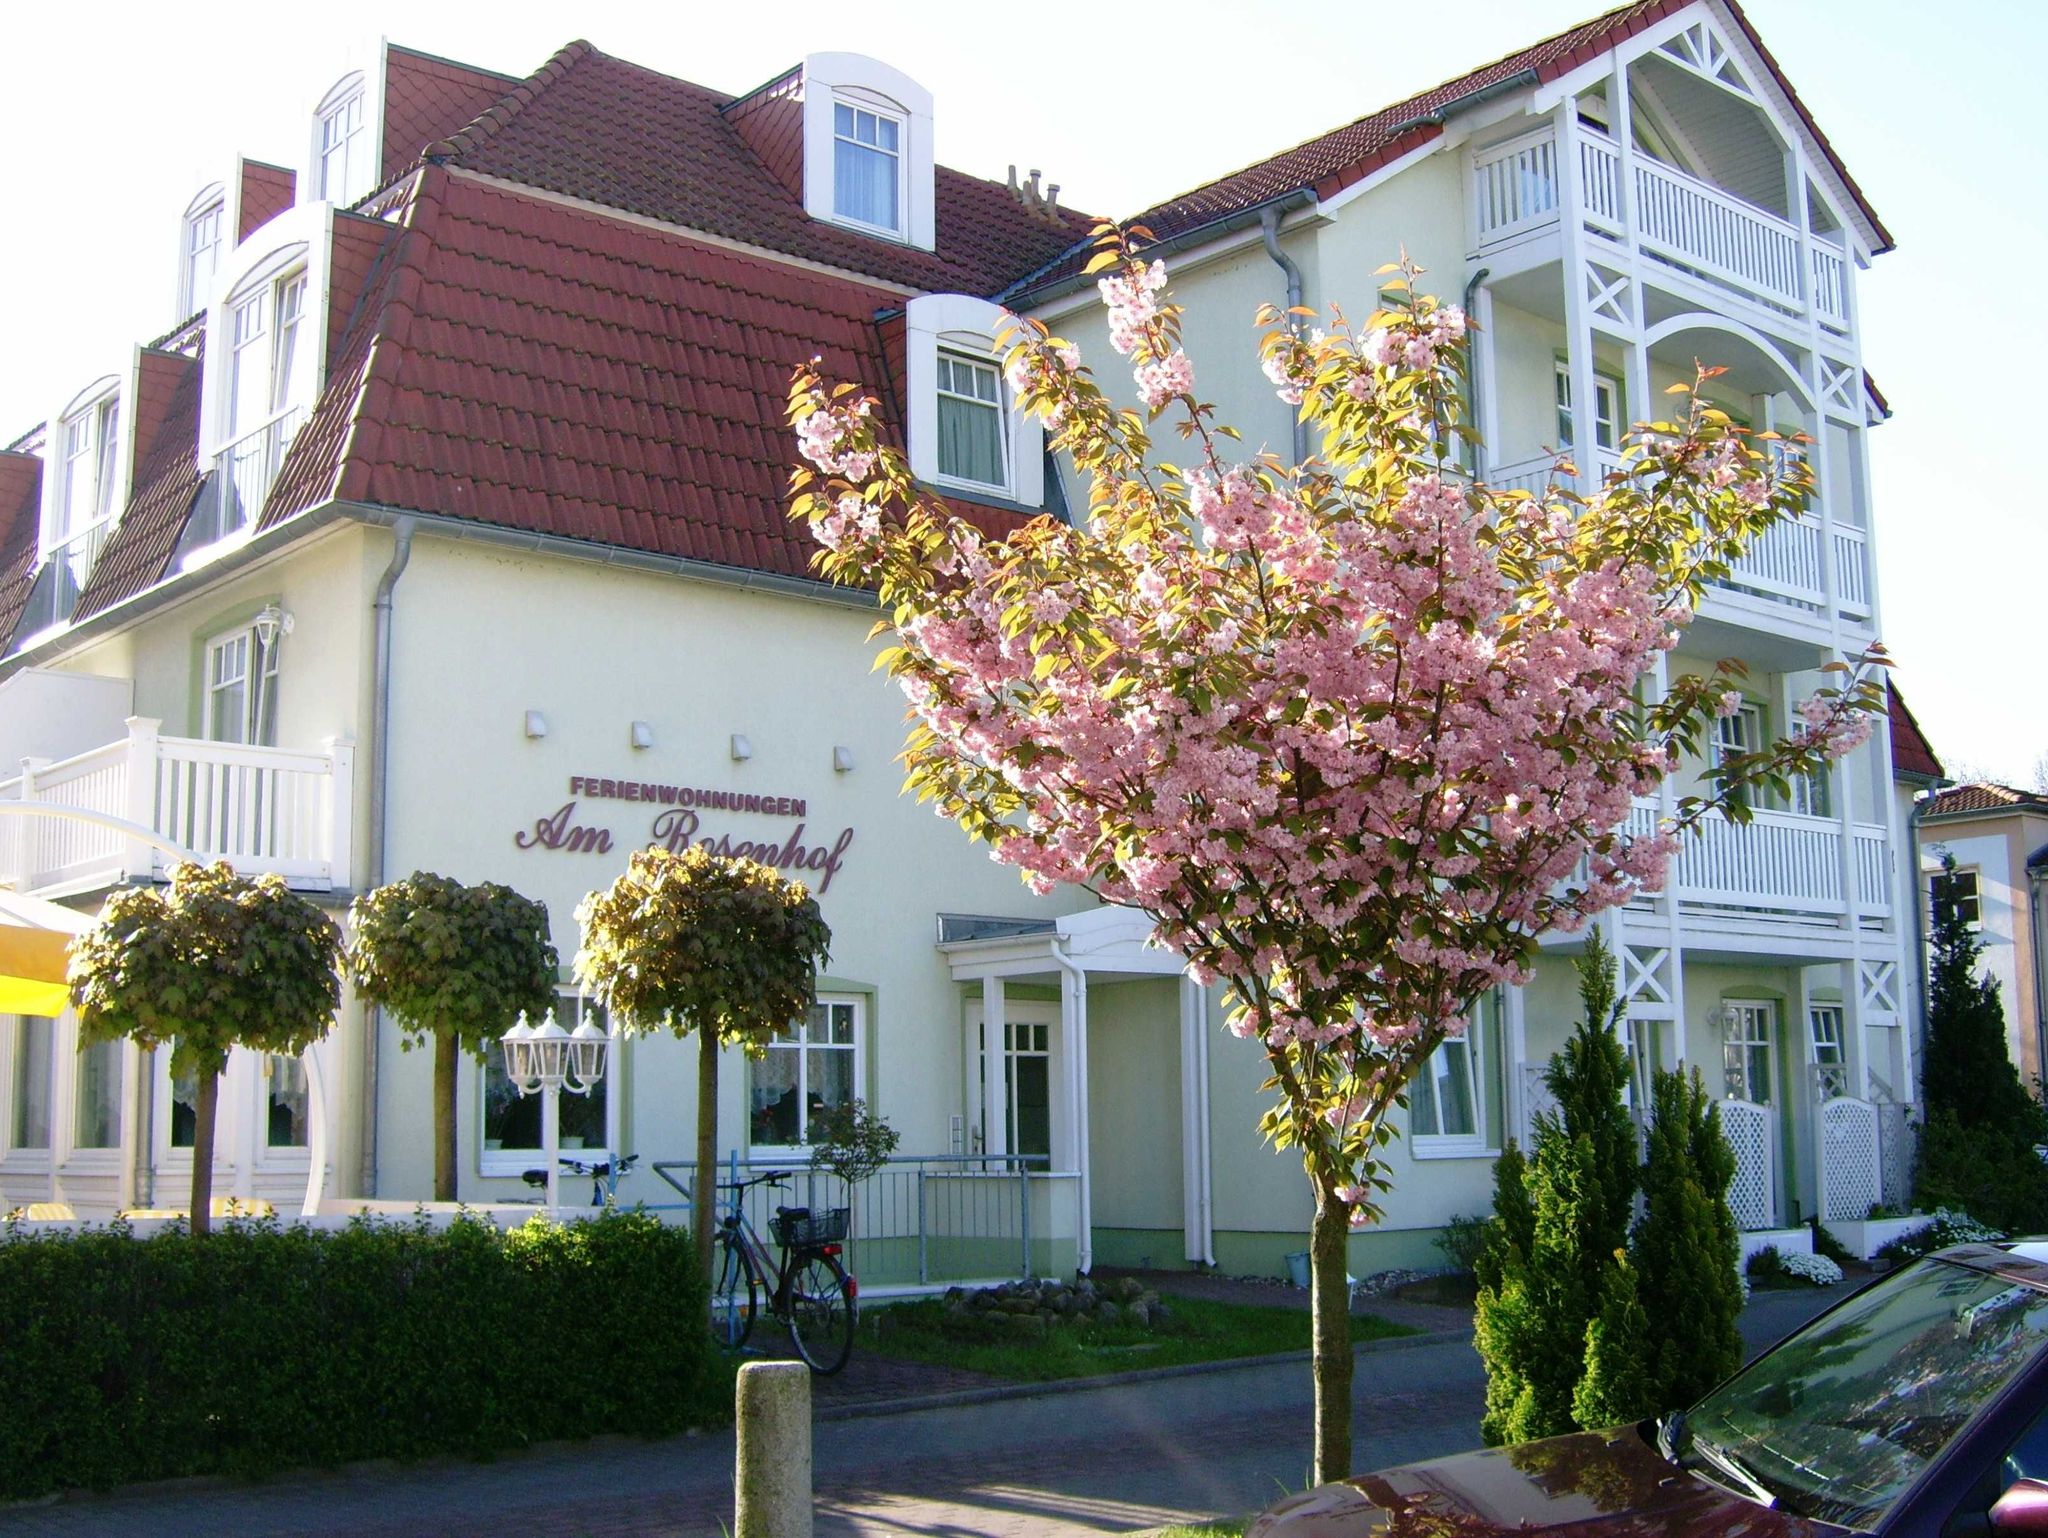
(922, 1220)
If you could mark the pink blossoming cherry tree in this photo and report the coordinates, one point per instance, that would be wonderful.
(1355, 732)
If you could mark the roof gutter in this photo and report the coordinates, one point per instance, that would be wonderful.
(1187, 240)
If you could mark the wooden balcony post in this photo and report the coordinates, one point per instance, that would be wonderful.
(139, 860)
(341, 800)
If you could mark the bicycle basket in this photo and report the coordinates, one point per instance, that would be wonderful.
(799, 1226)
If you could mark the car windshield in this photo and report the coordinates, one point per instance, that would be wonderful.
(1838, 1421)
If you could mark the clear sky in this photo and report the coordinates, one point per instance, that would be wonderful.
(117, 114)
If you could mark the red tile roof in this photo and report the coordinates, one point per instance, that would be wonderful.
(267, 191)
(601, 129)
(1912, 753)
(1332, 161)
(166, 480)
(427, 98)
(544, 368)
(1984, 796)
(21, 506)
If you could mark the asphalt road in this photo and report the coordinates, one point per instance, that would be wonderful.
(1109, 1459)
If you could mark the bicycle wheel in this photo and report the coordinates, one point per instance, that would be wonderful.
(735, 1293)
(821, 1308)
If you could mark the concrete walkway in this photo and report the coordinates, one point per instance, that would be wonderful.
(1102, 1458)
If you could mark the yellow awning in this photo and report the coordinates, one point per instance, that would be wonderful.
(35, 941)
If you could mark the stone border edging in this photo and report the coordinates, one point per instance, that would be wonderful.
(1000, 1391)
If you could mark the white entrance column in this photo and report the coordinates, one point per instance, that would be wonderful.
(995, 1129)
(1194, 1121)
(1074, 1024)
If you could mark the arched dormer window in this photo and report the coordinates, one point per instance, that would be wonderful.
(344, 147)
(868, 148)
(84, 488)
(965, 434)
(202, 239)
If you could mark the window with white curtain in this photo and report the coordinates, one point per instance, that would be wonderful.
(970, 419)
(29, 1126)
(511, 1121)
(807, 1069)
(1451, 1100)
(96, 1108)
(867, 166)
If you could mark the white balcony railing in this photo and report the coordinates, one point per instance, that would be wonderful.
(264, 810)
(1778, 862)
(248, 467)
(1672, 216)
(1852, 570)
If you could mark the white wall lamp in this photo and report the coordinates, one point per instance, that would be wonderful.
(742, 750)
(270, 623)
(536, 724)
(642, 734)
(842, 759)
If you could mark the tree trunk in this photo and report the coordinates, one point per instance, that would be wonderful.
(203, 1110)
(1332, 1363)
(704, 1201)
(446, 1051)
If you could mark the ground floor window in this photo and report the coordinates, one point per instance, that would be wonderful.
(1746, 1050)
(97, 1100)
(286, 1107)
(29, 1127)
(809, 1068)
(511, 1121)
(1453, 1100)
(1028, 1056)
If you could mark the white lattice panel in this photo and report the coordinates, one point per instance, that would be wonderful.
(1852, 1180)
(1536, 1101)
(1747, 1128)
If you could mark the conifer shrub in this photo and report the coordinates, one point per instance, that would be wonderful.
(268, 1347)
(1685, 1247)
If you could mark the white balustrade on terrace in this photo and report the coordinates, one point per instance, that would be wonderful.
(1671, 216)
(1778, 862)
(264, 810)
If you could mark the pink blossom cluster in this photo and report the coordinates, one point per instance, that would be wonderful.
(853, 520)
(1161, 380)
(1413, 344)
(825, 437)
(1132, 300)
(1830, 729)
(1288, 365)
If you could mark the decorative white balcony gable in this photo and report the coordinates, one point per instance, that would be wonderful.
(264, 810)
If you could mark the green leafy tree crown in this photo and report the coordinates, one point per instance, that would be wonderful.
(215, 961)
(450, 959)
(698, 940)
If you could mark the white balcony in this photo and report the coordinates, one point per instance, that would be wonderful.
(1671, 218)
(264, 810)
(1787, 564)
(1779, 864)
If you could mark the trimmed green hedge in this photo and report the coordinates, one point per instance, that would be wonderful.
(263, 1347)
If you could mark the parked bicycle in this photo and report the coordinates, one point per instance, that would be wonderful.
(810, 1293)
(605, 1176)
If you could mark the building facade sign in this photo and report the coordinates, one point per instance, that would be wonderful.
(679, 823)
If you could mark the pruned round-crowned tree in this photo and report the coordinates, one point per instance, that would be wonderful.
(213, 962)
(704, 943)
(455, 964)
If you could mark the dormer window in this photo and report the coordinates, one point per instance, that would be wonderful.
(970, 421)
(262, 407)
(199, 250)
(964, 433)
(84, 494)
(867, 166)
(341, 151)
(867, 148)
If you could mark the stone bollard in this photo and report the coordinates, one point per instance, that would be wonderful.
(771, 1474)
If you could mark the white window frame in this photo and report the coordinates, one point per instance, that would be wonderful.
(35, 1160)
(193, 288)
(360, 148)
(999, 408)
(868, 85)
(298, 242)
(1473, 1048)
(1741, 732)
(862, 104)
(1973, 903)
(258, 682)
(1826, 1025)
(1606, 410)
(571, 1007)
(965, 326)
(802, 1049)
(1743, 1017)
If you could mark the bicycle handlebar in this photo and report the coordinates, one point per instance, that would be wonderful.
(772, 1178)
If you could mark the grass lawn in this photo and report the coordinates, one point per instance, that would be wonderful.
(1201, 1332)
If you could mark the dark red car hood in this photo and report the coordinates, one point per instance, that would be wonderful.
(1597, 1484)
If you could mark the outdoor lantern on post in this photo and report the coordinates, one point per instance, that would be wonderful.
(548, 1059)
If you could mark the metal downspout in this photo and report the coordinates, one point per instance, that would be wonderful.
(1269, 234)
(1472, 420)
(1917, 889)
(1084, 1239)
(380, 770)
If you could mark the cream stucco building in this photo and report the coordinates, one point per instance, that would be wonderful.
(443, 531)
